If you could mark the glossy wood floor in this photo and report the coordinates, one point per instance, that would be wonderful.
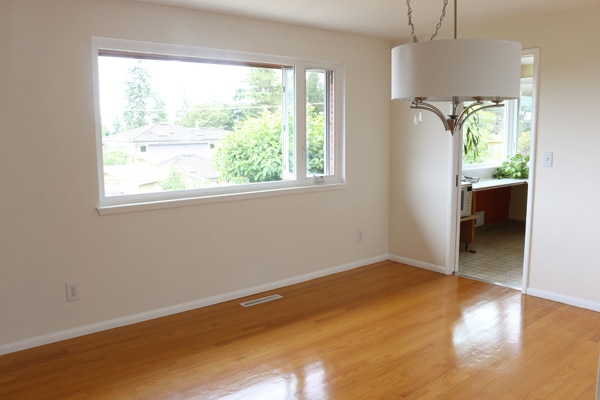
(385, 331)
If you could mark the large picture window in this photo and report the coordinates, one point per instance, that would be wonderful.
(179, 123)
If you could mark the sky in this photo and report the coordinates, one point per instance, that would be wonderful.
(172, 80)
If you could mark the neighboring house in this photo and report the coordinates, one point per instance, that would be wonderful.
(134, 178)
(196, 170)
(162, 141)
(158, 149)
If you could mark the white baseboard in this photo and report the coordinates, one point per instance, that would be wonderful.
(572, 301)
(417, 263)
(165, 311)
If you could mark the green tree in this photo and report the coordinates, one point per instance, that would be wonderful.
(479, 130)
(316, 142)
(184, 108)
(524, 145)
(212, 114)
(174, 181)
(252, 152)
(315, 91)
(471, 138)
(143, 105)
(525, 112)
(116, 157)
(117, 125)
(263, 91)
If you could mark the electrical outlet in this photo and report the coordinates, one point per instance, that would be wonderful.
(72, 289)
(360, 235)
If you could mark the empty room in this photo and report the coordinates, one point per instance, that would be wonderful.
(254, 200)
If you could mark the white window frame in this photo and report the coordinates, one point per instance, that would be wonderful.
(511, 109)
(300, 183)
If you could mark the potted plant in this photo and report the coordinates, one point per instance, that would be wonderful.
(516, 167)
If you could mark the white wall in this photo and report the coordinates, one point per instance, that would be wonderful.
(139, 265)
(420, 189)
(565, 258)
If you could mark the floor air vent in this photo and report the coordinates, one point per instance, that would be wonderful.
(254, 302)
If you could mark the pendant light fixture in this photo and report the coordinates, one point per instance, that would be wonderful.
(483, 71)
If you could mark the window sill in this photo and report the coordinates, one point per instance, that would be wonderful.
(211, 199)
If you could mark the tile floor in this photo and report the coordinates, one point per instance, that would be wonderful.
(499, 255)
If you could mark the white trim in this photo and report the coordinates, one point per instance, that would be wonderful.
(420, 264)
(532, 169)
(178, 308)
(560, 298)
(455, 188)
(194, 201)
(481, 169)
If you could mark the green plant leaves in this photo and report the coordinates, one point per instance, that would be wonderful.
(516, 167)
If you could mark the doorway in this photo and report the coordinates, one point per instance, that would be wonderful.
(492, 241)
(496, 254)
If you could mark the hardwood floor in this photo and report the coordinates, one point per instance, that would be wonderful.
(384, 331)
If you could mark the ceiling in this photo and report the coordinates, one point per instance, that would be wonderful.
(384, 19)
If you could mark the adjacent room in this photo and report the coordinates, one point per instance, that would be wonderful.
(220, 199)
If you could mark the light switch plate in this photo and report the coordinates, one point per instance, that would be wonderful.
(548, 159)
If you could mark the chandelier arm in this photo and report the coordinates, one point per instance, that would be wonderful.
(419, 105)
(453, 123)
(470, 110)
(467, 111)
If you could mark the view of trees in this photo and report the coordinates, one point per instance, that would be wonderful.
(484, 135)
(144, 105)
(211, 114)
(253, 151)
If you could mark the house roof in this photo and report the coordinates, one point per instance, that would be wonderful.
(167, 133)
(193, 164)
(140, 173)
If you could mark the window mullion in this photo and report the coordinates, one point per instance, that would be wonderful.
(288, 118)
(300, 121)
(513, 127)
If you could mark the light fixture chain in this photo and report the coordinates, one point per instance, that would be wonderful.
(410, 23)
(437, 27)
(439, 24)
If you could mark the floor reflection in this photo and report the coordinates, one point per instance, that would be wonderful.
(488, 328)
(306, 383)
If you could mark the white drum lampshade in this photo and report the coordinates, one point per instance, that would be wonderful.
(442, 70)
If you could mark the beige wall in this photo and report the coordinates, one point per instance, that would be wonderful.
(139, 265)
(564, 262)
(420, 189)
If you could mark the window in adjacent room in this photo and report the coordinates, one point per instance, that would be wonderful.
(503, 131)
(178, 122)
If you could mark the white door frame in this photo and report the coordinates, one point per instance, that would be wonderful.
(455, 174)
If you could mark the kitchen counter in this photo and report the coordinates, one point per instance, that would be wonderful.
(493, 183)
